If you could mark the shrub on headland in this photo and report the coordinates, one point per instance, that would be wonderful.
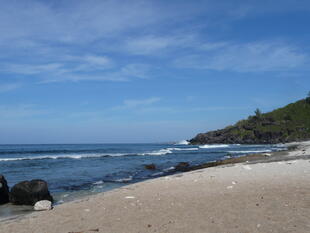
(287, 124)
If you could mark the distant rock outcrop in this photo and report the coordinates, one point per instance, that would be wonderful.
(291, 123)
(30, 192)
(4, 190)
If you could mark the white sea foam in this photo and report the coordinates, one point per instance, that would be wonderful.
(81, 156)
(124, 179)
(158, 152)
(183, 142)
(247, 151)
(214, 146)
(157, 174)
(180, 149)
(168, 169)
(98, 182)
(78, 156)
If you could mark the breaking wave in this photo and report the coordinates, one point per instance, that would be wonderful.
(158, 152)
(79, 156)
(183, 142)
(213, 146)
(180, 149)
(84, 156)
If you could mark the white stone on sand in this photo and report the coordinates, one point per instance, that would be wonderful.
(43, 205)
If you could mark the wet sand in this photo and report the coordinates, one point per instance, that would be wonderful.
(271, 194)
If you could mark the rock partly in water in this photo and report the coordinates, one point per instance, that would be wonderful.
(4, 191)
(43, 205)
(182, 167)
(30, 192)
(151, 166)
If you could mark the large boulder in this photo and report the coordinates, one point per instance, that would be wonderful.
(4, 191)
(30, 192)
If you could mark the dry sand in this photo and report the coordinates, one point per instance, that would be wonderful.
(241, 198)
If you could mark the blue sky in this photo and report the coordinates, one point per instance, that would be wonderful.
(145, 71)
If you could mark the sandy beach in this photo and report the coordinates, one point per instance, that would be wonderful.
(270, 196)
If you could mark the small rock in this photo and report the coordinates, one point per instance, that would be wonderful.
(182, 166)
(43, 205)
(151, 166)
(96, 230)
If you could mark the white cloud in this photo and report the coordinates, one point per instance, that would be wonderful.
(150, 44)
(37, 38)
(137, 103)
(125, 73)
(251, 57)
(31, 69)
(87, 21)
(98, 60)
(143, 102)
(209, 46)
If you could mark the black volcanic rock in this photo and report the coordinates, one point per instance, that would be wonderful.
(4, 190)
(30, 192)
(151, 166)
(182, 167)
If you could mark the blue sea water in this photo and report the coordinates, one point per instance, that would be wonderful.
(75, 169)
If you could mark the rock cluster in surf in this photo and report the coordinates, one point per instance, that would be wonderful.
(25, 192)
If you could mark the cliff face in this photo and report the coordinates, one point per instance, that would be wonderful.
(287, 124)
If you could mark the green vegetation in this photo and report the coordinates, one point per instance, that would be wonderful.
(290, 123)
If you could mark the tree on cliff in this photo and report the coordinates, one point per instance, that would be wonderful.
(308, 97)
(258, 113)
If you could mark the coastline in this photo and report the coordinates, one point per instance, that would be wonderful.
(214, 197)
(295, 150)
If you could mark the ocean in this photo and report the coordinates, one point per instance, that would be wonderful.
(75, 170)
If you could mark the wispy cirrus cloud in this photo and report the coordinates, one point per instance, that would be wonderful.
(249, 57)
(100, 67)
(106, 37)
(153, 44)
(137, 103)
(31, 69)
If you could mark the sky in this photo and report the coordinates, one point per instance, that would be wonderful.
(101, 71)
